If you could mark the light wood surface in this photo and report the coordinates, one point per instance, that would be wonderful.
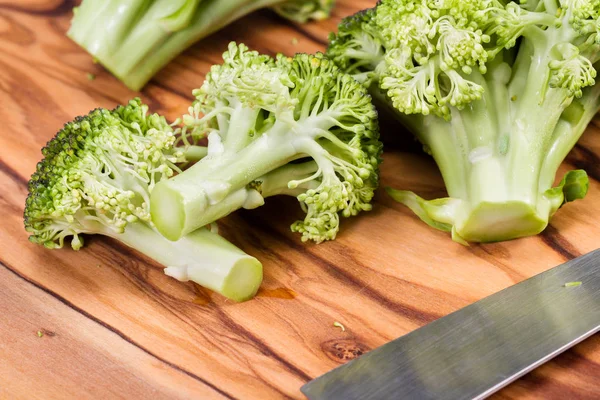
(113, 326)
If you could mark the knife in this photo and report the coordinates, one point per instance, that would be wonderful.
(481, 348)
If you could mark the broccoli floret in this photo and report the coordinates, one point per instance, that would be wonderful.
(261, 114)
(498, 93)
(97, 176)
(134, 39)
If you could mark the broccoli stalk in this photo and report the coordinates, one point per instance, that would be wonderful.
(136, 38)
(96, 178)
(260, 115)
(497, 92)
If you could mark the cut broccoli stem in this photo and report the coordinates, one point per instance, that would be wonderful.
(291, 180)
(202, 256)
(278, 181)
(569, 129)
(213, 188)
(497, 91)
(194, 153)
(96, 177)
(135, 39)
(500, 175)
(260, 114)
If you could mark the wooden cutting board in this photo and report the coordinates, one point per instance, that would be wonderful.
(113, 326)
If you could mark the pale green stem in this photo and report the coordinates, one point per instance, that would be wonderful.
(194, 153)
(138, 55)
(202, 257)
(567, 133)
(191, 200)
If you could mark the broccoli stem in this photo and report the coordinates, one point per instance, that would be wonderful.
(135, 39)
(251, 195)
(194, 153)
(278, 181)
(202, 256)
(216, 185)
(507, 146)
(569, 129)
(210, 189)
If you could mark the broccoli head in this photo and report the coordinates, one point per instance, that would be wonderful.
(294, 126)
(97, 176)
(497, 91)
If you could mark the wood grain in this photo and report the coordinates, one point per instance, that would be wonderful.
(123, 329)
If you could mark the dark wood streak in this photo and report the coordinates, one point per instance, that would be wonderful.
(165, 300)
(536, 381)
(114, 330)
(12, 174)
(31, 97)
(262, 347)
(483, 251)
(232, 326)
(338, 273)
(298, 28)
(17, 33)
(585, 159)
(187, 97)
(570, 358)
(558, 243)
(251, 243)
(32, 91)
(13, 208)
(224, 319)
(65, 6)
(411, 313)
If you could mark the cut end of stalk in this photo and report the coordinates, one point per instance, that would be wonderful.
(495, 222)
(243, 281)
(240, 283)
(167, 211)
(482, 222)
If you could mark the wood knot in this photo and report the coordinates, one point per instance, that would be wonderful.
(343, 350)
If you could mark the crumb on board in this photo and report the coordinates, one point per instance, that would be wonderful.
(573, 284)
(294, 41)
(339, 325)
(90, 76)
(40, 334)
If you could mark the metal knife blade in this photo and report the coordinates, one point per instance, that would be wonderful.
(481, 348)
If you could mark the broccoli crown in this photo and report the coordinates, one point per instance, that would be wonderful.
(497, 91)
(351, 145)
(261, 113)
(97, 174)
(423, 53)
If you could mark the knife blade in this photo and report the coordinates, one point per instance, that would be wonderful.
(481, 348)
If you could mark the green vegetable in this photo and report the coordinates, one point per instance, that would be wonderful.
(134, 39)
(96, 178)
(294, 126)
(339, 325)
(498, 93)
(572, 284)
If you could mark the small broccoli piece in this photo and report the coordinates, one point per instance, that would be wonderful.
(136, 38)
(498, 93)
(97, 176)
(262, 114)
